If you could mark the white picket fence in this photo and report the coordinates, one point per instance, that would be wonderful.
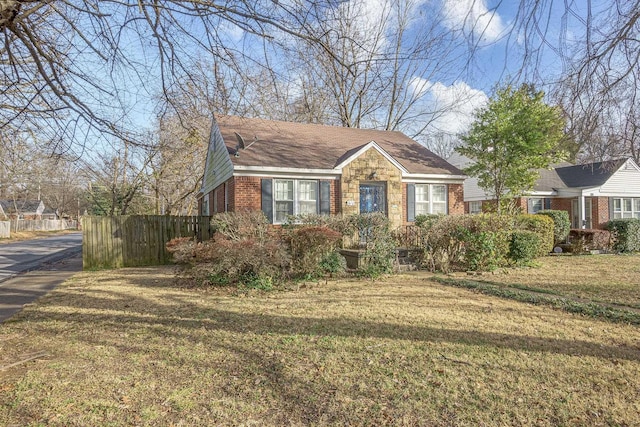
(5, 229)
(43, 224)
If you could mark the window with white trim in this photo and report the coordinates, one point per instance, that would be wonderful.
(475, 207)
(535, 204)
(431, 199)
(626, 208)
(294, 197)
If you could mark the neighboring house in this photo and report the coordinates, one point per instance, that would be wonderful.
(285, 168)
(592, 193)
(22, 209)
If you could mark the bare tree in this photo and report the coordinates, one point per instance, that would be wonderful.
(597, 45)
(376, 66)
(74, 68)
(118, 182)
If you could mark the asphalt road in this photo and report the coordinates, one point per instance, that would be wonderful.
(31, 268)
(30, 255)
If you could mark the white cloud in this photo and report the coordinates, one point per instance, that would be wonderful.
(453, 105)
(473, 17)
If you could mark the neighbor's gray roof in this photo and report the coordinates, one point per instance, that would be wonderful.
(23, 206)
(549, 179)
(310, 146)
(589, 175)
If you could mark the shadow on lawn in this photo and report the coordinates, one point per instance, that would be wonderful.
(177, 312)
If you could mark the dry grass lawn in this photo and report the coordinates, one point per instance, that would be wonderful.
(611, 279)
(132, 347)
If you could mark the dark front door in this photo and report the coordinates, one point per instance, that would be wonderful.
(373, 198)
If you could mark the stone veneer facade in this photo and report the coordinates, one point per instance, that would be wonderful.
(361, 170)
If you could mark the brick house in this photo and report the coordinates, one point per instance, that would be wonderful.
(592, 193)
(285, 168)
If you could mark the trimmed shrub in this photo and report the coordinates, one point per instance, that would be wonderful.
(541, 225)
(425, 221)
(524, 246)
(466, 242)
(561, 224)
(625, 234)
(583, 240)
(309, 246)
(481, 249)
(242, 225)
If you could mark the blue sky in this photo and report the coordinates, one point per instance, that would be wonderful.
(487, 25)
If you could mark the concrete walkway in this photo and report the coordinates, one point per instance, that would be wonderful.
(25, 288)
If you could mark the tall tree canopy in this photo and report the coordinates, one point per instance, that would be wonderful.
(512, 137)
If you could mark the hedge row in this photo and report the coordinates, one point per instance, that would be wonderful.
(483, 241)
(625, 234)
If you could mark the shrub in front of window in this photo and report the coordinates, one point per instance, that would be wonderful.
(584, 240)
(561, 224)
(524, 246)
(242, 225)
(311, 250)
(625, 234)
(466, 242)
(542, 225)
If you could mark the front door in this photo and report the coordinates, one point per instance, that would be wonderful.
(575, 213)
(373, 198)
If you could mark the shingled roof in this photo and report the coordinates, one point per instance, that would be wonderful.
(20, 206)
(589, 175)
(281, 144)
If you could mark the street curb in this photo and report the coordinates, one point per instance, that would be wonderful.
(49, 259)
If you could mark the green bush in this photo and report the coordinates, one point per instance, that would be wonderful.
(333, 263)
(466, 242)
(481, 249)
(426, 221)
(309, 245)
(374, 231)
(541, 225)
(625, 234)
(524, 246)
(561, 224)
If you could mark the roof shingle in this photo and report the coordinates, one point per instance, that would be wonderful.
(310, 146)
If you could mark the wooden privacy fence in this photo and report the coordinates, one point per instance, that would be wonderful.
(136, 240)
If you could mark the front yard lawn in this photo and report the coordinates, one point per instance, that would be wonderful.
(613, 279)
(132, 347)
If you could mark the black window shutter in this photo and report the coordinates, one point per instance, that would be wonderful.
(267, 198)
(411, 202)
(325, 198)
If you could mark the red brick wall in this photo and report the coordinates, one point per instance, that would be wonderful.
(336, 199)
(247, 194)
(600, 215)
(561, 205)
(456, 199)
